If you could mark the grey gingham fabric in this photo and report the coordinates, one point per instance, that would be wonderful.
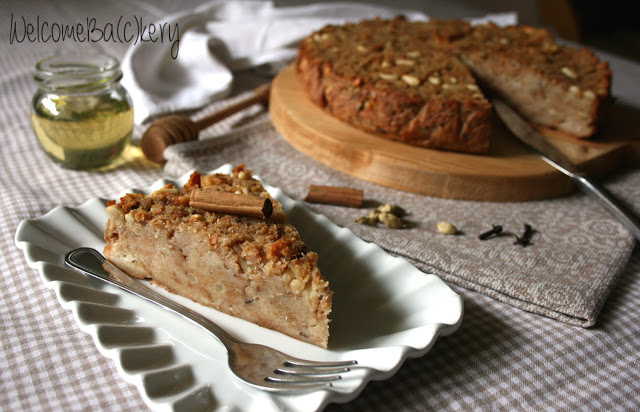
(503, 357)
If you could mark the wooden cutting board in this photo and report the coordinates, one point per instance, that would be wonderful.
(509, 172)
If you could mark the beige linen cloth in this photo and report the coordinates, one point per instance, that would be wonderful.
(577, 253)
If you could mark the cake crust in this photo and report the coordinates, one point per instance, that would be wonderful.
(256, 269)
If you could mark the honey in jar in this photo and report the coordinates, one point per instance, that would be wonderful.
(81, 114)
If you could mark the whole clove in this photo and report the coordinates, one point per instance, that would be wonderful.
(495, 231)
(525, 239)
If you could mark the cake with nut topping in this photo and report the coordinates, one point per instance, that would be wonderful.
(253, 268)
(419, 82)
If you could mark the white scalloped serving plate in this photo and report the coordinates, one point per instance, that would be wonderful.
(384, 311)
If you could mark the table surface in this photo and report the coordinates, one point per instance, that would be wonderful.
(501, 357)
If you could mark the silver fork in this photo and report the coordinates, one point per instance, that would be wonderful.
(258, 365)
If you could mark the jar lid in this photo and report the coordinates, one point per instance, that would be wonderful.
(73, 72)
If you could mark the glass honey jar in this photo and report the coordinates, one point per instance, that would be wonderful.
(81, 114)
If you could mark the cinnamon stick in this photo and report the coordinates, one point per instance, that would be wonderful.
(333, 195)
(232, 203)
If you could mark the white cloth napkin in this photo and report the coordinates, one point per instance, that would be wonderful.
(223, 37)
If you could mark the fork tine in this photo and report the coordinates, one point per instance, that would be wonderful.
(302, 367)
(311, 371)
(319, 364)
(303, 380)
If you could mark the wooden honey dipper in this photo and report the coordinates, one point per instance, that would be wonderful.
(179, 128)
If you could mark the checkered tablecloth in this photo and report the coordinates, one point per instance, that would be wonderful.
(503, 357)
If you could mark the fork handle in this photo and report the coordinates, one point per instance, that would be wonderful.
(91, 262)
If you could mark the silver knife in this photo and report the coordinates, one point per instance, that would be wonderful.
(530, 136)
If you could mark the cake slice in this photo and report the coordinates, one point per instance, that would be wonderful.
(254, 268)
(556, 86)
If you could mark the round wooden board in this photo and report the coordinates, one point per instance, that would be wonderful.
(510, 172)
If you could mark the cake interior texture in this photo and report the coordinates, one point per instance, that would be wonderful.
(257, 269)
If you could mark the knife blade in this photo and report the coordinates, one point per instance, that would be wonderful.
(528, 135)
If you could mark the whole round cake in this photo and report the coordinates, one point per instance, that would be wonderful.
(424, 83)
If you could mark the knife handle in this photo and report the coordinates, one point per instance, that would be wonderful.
(609, 202)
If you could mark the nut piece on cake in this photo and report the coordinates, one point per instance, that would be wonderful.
(257, 269)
